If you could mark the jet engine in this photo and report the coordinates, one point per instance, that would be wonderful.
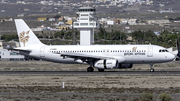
(124, 66)
(106, 64)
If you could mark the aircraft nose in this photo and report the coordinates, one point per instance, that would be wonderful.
(171, 57)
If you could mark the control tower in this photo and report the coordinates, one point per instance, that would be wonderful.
(86, 22)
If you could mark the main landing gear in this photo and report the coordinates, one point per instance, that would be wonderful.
(90, 69)
(152, 69)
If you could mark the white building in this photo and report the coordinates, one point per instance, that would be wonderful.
(52, 19)
(132, 21)
(86, 22)
(157, 21)
(124, 21)
(102, 21)
(59, 23)
(6, 55)
(110, 22)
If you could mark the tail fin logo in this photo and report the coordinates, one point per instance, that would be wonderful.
(24, 37)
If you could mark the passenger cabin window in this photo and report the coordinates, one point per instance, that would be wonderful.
(163, 50)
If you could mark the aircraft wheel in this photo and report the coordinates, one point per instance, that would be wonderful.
(101, 70)
(151, 70)
(90, 69)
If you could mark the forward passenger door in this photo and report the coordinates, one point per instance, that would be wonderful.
(150, 51)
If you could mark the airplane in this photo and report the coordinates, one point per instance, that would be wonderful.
(100, 57)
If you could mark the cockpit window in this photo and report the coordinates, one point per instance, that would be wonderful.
(163, 50)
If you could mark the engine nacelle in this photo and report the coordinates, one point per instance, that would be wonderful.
(106, 64)
(124, 66)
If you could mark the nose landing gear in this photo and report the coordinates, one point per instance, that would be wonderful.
(152, 69)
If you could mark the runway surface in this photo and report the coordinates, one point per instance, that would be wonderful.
(85, 72)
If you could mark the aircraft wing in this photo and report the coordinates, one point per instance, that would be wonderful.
(82, 56)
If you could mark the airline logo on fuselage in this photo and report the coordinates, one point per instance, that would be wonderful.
(134, 52)
(134, 48)
(24, 37)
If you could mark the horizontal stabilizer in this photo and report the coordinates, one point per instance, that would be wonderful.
(19, 49)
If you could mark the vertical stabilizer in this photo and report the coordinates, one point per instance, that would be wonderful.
(25, 34)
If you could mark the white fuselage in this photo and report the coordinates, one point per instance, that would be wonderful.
(132, 54)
